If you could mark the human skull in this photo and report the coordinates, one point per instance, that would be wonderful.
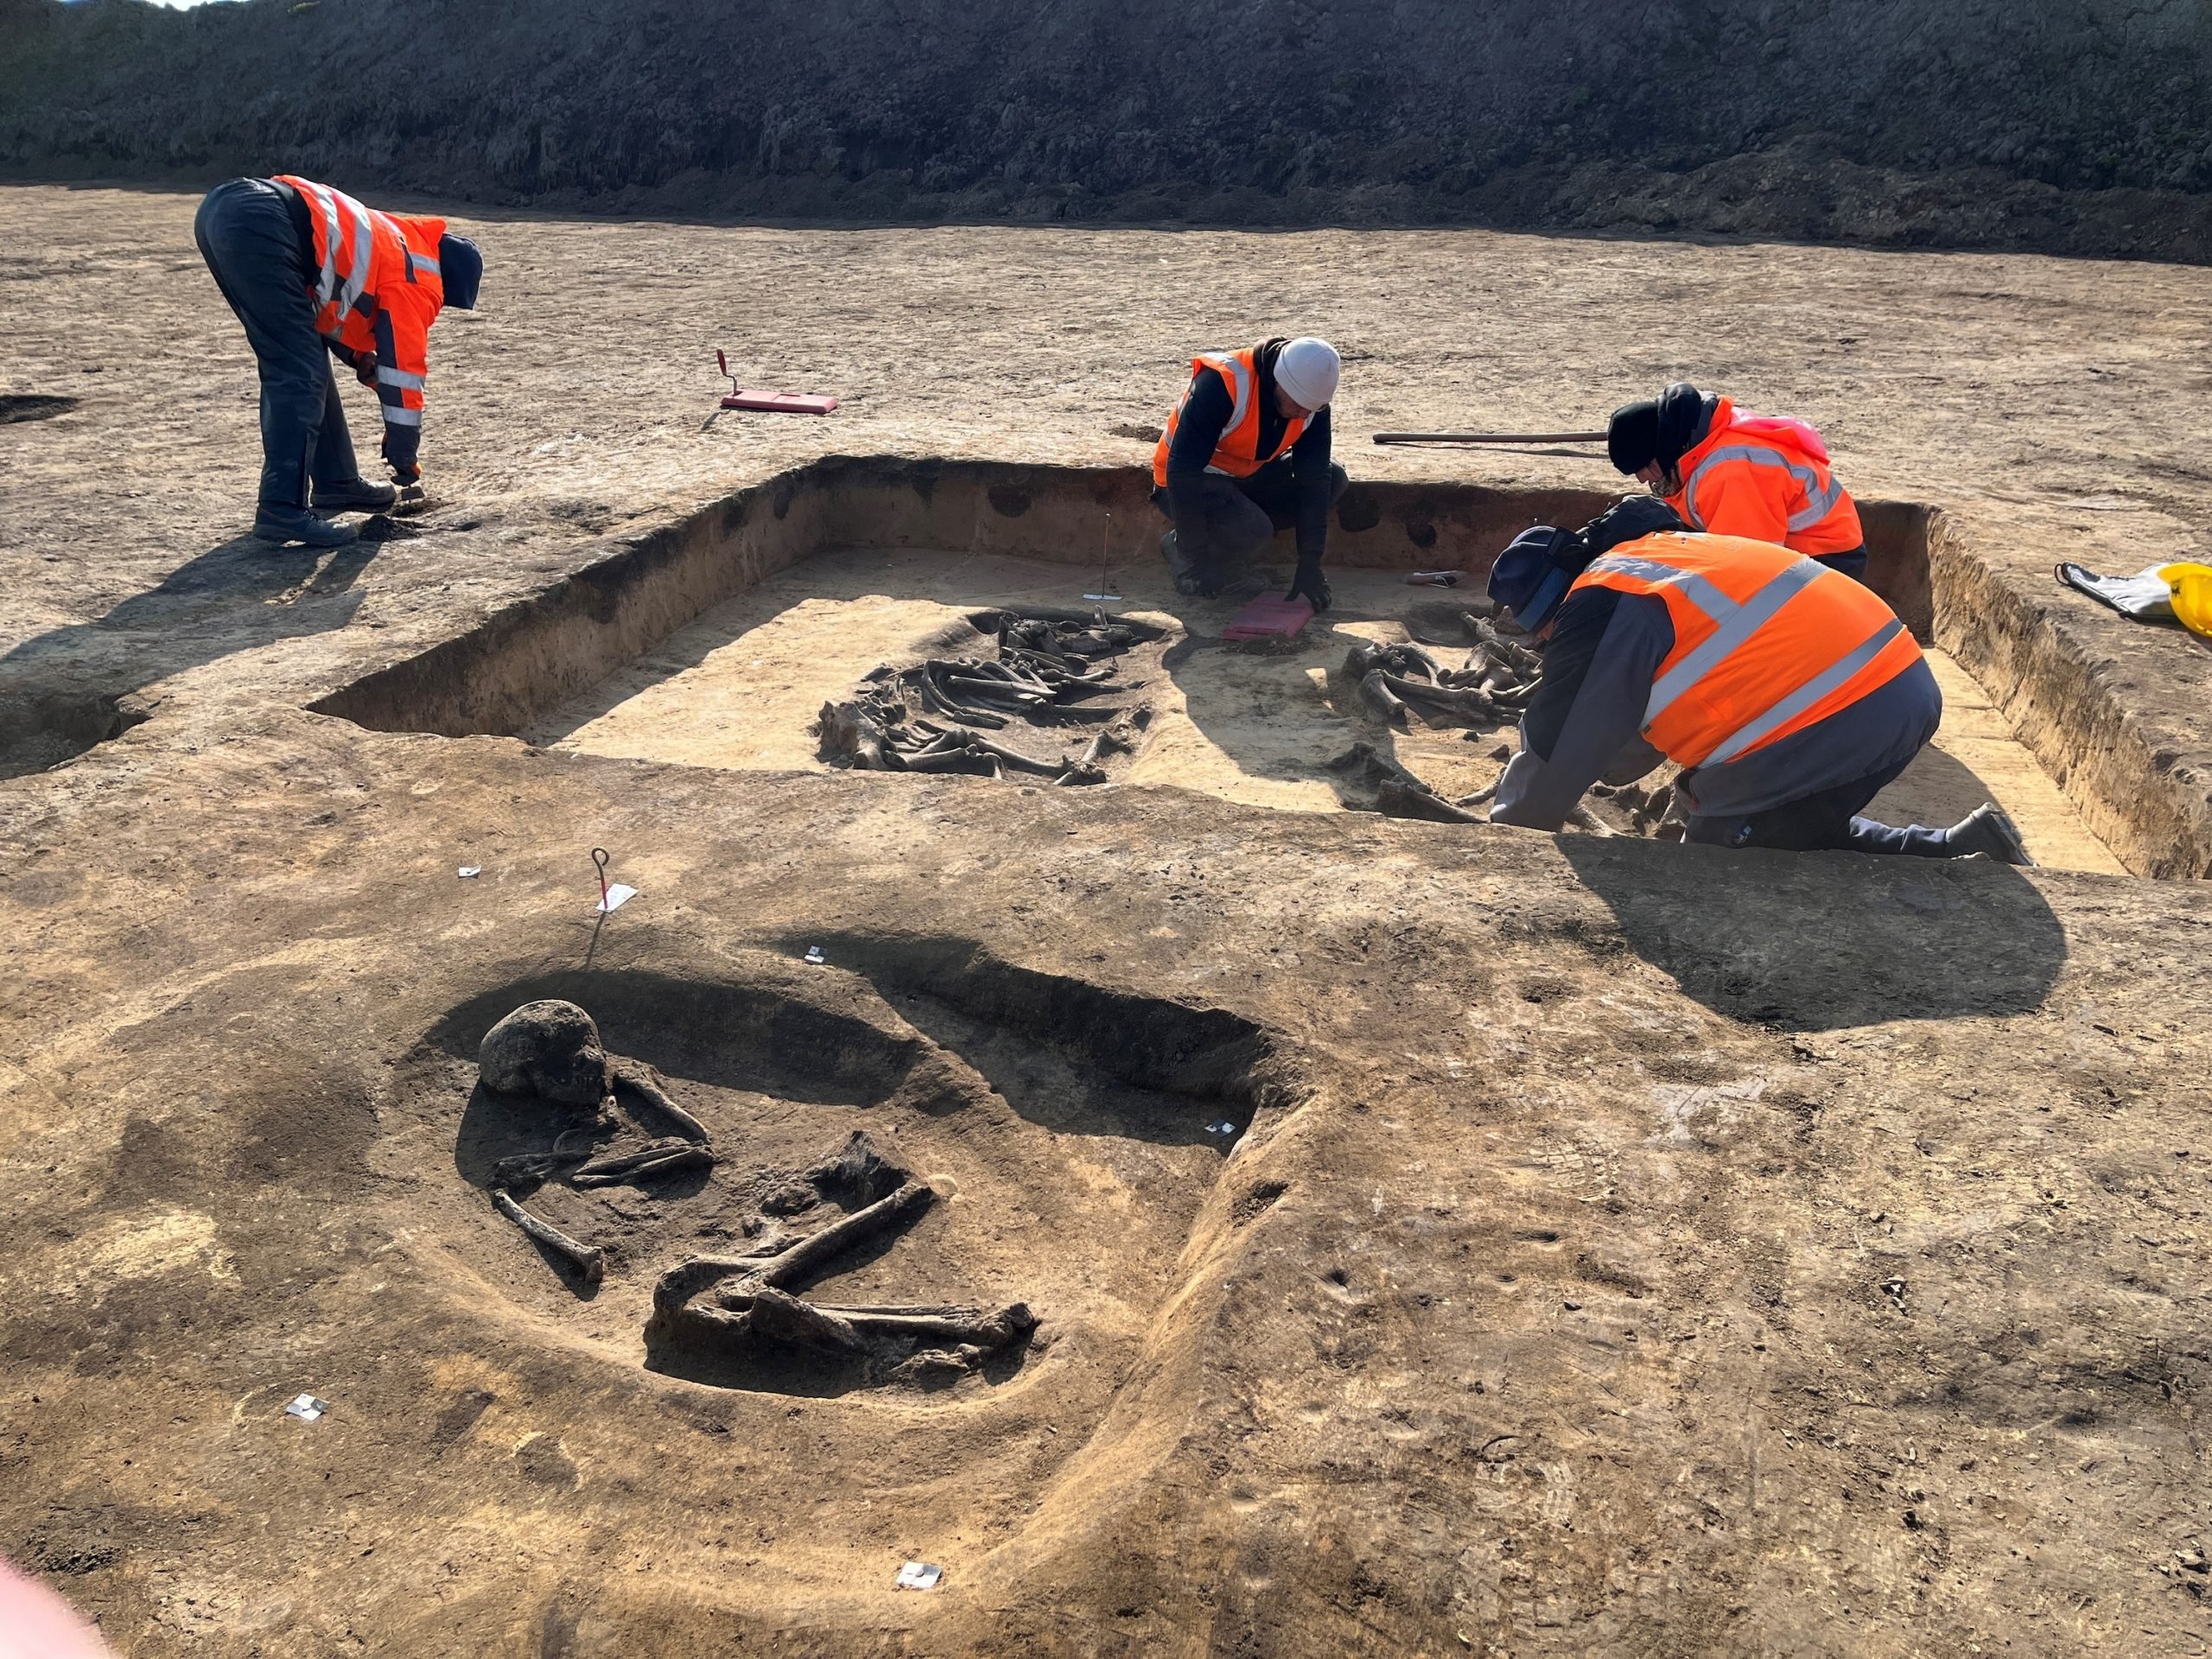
(551, 1049)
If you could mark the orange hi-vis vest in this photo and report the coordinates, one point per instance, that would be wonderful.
(377, 291)
(1238, 453)
(1768, 479)
(1766, 641)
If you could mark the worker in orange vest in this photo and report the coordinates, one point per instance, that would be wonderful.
(1791, 694)
(313, 274)
(1244, 454)
(1733, 473)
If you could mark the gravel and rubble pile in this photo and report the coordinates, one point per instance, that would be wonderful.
(2080, 128)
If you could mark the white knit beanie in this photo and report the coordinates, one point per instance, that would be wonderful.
(1307, 369)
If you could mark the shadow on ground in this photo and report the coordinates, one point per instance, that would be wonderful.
(71, 688)
(1821, 941)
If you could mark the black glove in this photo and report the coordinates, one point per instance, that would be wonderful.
(404, 476)
(1309, 584)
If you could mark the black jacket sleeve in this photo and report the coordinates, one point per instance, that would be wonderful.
(1206, 409)
(1604, 654)
(1309, 463)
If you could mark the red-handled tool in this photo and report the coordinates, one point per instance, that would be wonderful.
(779, 403)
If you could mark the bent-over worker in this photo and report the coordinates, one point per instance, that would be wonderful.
(1789, 693)
(313, 274)
(1733, 474)
(1246, 454)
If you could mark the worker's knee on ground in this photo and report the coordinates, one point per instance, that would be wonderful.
(1237, 539)
(1735, 831)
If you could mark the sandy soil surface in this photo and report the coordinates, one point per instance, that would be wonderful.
(742, 686)
(1621, 1248)
(1975, 757)
(2045, 402)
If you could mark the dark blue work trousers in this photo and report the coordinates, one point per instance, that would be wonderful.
(247, 235)
(1234, 518)
(1826, 822)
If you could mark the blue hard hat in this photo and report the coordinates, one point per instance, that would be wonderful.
(1528, 579)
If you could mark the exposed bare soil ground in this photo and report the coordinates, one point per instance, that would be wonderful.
(742, 687)
(1619, 1248)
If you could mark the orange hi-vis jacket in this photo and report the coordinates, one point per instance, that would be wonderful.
(1767, 642)
(1237, 455)
(377, 292)
(1766, 477)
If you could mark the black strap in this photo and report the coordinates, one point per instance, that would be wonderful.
(2079, 578)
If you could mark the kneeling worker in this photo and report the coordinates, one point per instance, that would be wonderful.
(1791, 693)
(1244, 454)
(308, 268)
(1731, 473)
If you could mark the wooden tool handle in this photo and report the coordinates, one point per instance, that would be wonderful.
(1490, 437)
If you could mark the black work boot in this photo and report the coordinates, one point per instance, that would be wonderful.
(283, 524)
(1186, 578)
(355, 495)
(1988, 829)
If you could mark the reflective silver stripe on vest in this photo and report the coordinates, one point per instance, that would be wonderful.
(1737, 626)
(1692, 587)
(1240, 390)
(327, 283)
(357, 280)
(395, 415)
(1240, 386)
(328, 288)
(1820, 500)
(1803, 697)
(393, 377)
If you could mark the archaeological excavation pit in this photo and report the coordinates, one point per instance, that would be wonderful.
(1044, 1149)
(726, 641)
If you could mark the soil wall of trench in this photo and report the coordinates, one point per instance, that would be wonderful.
(531, 656)
(2079, 126)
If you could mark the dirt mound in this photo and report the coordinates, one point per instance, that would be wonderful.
(2081, 128)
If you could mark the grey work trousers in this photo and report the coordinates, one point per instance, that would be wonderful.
(247, 235)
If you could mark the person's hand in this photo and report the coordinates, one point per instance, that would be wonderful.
(365, 372)
(1310, 585)
(405, 476)
(35, 1620)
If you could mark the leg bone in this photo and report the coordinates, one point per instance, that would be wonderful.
(586, 1259)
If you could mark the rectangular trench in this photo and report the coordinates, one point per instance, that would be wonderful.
(507, 675)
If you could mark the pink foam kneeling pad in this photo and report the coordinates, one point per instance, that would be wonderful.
(1270, 617)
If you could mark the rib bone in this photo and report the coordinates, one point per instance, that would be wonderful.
(659, 1159)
